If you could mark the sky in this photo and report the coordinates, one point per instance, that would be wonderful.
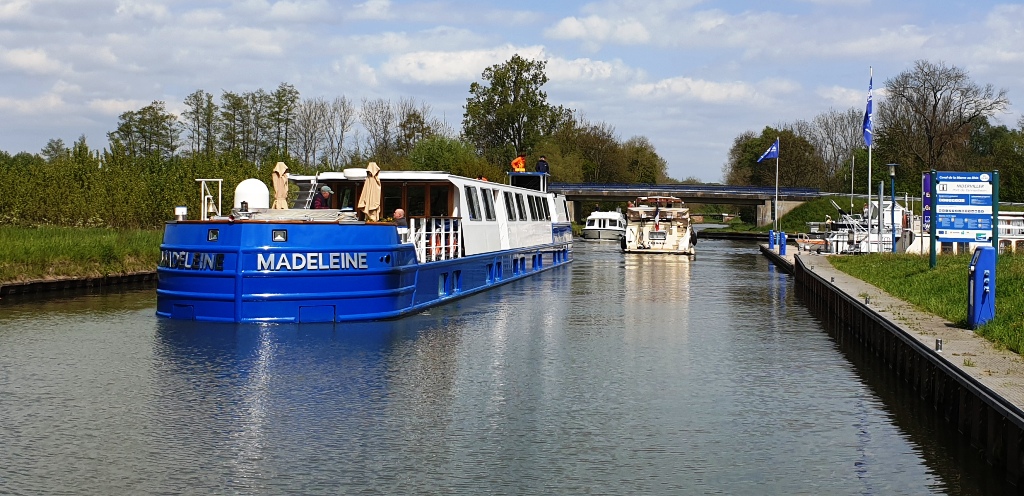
(689, 75)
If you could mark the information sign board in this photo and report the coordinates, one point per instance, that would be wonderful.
(963, 207)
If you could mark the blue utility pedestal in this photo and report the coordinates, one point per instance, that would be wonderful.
(771, 239)
(782, 243)
(981, 287)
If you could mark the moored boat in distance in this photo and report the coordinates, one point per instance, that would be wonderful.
(659, 224)
(605, 226)
(299, 264)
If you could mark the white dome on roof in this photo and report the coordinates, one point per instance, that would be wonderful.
(254, 192)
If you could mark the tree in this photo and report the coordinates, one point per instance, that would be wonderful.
(55, 149)
(508, 113)
(378, 119)
(835, 135)
(200, 121)
(150, 131)
(414, 124)
(798, 164)
(644, 163)
(233, 122)
(340, 117)
(930, 111)
(310, 129)
(283, 103)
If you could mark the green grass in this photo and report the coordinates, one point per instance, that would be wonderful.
(943, 291)
(48, 252)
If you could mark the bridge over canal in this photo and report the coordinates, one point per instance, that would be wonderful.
(759, 196)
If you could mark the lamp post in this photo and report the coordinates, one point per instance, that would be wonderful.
(892, 211)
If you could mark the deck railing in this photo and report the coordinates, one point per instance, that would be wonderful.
(435, 238)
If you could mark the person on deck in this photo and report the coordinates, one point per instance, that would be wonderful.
(542, 165)
(400, 220)
(323, 200)
(519, 163)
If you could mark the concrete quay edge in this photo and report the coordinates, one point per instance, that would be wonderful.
(1000, 370)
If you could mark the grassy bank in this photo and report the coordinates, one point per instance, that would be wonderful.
(943, 291)
(41, 253)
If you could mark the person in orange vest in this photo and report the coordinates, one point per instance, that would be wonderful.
(519, 163)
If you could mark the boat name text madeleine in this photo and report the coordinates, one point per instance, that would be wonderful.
(267, 261)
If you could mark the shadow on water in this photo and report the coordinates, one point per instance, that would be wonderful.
(132, 296)
(950, 458)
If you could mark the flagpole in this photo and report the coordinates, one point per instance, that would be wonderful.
(871, 78)
(869, 196)
(776, 214)
(853, 164)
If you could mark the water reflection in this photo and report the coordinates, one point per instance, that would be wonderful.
(614, 375)
(264, 393)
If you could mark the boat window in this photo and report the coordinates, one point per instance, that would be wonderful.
(591, 222)
(472, 203)
(417, 194)
(488, 203)
(544, 206)
(510, 206)
(532, 203)
(390, 198)
(520, 207)
(439, 201)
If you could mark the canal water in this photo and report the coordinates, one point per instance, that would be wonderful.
(615, 375)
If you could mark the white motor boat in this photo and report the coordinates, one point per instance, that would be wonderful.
(659, 224)
(605, 226)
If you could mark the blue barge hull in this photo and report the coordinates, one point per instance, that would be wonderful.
(225, 271)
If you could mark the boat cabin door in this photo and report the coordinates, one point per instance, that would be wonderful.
(502, 219)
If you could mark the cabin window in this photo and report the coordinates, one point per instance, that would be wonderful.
(520, 207)
(532, 202)
(488, 203)
(472, 203)
(590, 222)
(544, 206)
(417, 200)
(439, 201)
(390, 198)
(427, 200)
(510, 206)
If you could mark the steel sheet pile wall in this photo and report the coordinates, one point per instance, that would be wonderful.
(992, 424)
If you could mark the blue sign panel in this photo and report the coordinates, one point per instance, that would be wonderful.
(926, 198)
(963, 207)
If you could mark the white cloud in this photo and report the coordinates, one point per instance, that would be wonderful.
(203, 17)
(448, 67)
(598, 30)
(48, 103)
(299, 10)
(30, 60)
(13, 10)
(584, 69)
(735, 92)
(115, 106)
(372, 10)
(136, 9)
(353, 66)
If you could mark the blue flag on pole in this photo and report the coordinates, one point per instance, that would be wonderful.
(773, 151)
(867, 117)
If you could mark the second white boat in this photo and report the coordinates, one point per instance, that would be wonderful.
(659, 224)
(605, 226)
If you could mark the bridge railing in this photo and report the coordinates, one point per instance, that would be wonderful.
(683, 188)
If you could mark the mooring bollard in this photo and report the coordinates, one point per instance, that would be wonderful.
(938, 345)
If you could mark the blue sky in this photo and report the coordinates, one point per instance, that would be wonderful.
(689, 75)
